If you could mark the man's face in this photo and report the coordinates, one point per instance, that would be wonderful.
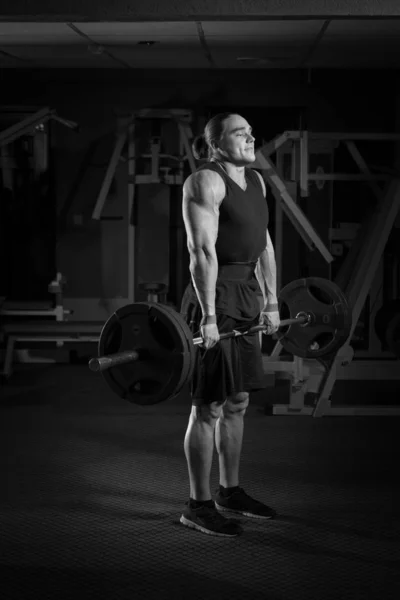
(237, 143)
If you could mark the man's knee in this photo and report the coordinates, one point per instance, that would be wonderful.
(236, 405)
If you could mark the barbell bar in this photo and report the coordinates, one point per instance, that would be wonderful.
(102, 363)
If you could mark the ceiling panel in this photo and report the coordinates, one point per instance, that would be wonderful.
(259, 40)
(260, 44)
(62, 55)
(145, 29)
(242, 46)
(240, 29)
(132, 40)
(36, 33)
(364, 28)
(138, 58)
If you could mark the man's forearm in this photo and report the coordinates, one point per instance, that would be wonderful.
(204, 271)
(266, 275)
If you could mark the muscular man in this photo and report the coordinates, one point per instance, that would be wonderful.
(231, 258)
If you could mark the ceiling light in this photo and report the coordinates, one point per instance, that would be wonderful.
(147, 43)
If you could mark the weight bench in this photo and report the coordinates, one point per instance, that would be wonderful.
(46, 331)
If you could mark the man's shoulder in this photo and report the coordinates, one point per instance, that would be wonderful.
(203, 185)
(204, 177)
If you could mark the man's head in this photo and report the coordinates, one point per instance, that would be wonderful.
(228, 137)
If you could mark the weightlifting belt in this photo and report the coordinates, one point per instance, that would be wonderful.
(236, 271)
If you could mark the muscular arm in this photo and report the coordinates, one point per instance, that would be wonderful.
(266, 266)
(203, 193)
(266, 273)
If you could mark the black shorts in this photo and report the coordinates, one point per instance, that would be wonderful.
(231, 366)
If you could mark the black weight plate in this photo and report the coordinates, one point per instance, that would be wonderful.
(156, 375)
(189, 352)
(182, 371)
(191, 348)
(331, 322)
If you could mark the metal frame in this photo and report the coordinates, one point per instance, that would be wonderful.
(33, 124)
(357, 276)
(28, 309)
(126, 133)
(288, 203)
(364, 271)
(58, 312)
(28, 125)
(365, 264)
(304, 137)
(36, 125)
(58, 339)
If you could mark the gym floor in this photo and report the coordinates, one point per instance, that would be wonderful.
(94, 486)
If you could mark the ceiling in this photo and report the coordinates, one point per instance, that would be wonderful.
(277, 44)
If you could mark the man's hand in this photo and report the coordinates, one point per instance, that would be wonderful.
(270, 317)
(210, 335)
(209, 331)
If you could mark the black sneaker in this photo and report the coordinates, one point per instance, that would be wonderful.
(208, 520)
(241, 503)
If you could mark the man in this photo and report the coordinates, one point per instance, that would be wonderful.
(231, 258)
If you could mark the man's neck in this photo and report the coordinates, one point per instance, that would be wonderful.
(235, 172)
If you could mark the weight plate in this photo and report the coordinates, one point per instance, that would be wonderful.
(187, 341)
(165, 362)
(330, 324)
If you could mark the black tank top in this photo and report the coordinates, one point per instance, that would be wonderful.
(243, 222)
(243, 218)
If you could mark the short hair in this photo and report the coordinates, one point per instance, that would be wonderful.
(202, 146)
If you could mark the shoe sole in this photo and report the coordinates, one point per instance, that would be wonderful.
(198, 527)
(241, 512)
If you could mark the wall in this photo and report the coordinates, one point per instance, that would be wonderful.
(92, 254)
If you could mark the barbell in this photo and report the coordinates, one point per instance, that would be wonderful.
(120, 358)
(147, 352)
